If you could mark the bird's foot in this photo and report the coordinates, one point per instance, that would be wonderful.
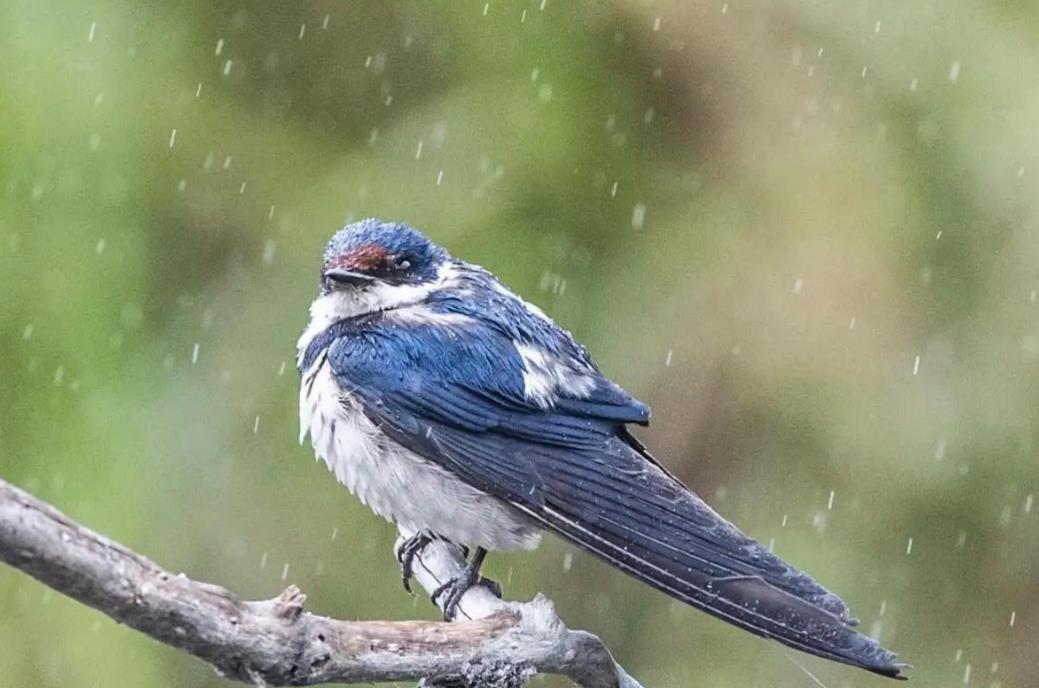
(406, 553)
(449, 595)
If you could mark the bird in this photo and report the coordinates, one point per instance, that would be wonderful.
(461, 412)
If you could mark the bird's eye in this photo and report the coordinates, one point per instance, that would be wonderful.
(402, 263)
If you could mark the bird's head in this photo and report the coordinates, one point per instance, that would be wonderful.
(372, 266)
(372, 254)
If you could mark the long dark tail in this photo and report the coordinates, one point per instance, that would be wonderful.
(624, 508)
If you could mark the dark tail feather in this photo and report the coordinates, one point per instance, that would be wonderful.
(636, 517)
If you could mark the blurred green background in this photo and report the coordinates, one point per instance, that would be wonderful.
(807, 233)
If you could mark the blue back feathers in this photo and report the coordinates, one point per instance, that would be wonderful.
(477, 353)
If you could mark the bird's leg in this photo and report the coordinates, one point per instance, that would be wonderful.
(406, 553)
(455, 588)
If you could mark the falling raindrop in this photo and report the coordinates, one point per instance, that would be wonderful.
(638, 216)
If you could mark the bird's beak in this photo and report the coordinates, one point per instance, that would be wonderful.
(340, 276)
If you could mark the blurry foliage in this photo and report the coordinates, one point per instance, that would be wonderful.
(805, 232)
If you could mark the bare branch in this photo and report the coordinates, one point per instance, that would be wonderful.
(275, 642)
(576, 654)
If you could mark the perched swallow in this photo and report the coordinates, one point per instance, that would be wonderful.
(456, 409)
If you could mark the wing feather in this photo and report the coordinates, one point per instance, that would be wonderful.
(576, 470)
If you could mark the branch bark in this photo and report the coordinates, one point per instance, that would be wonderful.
(275, 642)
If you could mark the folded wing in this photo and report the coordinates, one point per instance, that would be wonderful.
(458, 401)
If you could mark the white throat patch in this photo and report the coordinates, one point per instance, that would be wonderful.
(338, 305)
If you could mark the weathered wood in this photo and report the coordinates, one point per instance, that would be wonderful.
(275, 642)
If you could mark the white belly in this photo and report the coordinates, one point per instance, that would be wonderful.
(396, 483)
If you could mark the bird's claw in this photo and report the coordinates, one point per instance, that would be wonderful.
(449, 595)
(406, 553)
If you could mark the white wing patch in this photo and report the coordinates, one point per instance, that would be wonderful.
(546, 375)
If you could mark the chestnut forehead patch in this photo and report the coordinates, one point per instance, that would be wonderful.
(362, 259)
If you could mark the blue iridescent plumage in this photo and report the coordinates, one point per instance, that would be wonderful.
(457, 371)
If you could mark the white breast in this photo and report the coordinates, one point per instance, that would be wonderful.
(394, 482)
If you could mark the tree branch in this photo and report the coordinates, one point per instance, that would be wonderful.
(275, 642)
